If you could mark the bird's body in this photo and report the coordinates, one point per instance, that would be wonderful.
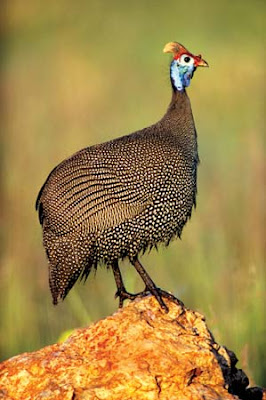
(115, 199)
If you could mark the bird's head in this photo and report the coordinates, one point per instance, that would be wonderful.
(183, 65)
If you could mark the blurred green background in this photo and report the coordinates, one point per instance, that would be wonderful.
(79, 73)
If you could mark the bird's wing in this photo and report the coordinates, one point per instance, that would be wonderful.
(89, 198)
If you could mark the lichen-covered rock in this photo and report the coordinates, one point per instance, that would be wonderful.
(139, 353)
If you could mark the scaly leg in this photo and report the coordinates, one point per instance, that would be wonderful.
(122, 293)
(150, 287)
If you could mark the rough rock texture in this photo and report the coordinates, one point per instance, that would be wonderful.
(138, 353)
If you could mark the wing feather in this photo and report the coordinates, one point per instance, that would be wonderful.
(88, 198)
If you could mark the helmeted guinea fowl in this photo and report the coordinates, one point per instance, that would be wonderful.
(116, 199)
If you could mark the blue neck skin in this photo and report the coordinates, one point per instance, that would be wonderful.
(181, 75)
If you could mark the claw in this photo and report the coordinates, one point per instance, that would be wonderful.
(158, 294)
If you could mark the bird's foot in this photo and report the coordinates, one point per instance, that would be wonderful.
(169, 296)
(158, 293)
(125, 295)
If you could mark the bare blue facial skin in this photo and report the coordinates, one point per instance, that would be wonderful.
(181, 74)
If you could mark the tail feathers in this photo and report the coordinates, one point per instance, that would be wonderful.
(67, 262)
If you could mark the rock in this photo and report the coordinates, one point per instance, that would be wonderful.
(139, 353)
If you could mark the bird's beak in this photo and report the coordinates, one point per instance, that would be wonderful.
(199, 62)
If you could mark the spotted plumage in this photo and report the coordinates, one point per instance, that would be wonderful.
(116, 199)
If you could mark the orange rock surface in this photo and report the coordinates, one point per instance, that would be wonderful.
(139, 353)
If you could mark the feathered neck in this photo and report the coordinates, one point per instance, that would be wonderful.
(180, 103)
(179, 122)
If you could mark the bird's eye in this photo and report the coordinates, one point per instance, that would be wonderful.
(185, 59)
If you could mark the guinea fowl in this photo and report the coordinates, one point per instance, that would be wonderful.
(116, 199)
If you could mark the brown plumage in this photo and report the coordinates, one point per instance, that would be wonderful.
(115, 199)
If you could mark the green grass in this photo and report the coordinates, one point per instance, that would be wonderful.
(75, 75)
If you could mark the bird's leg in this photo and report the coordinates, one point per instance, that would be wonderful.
(150, 287)
(122, 293)
(149, 284)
